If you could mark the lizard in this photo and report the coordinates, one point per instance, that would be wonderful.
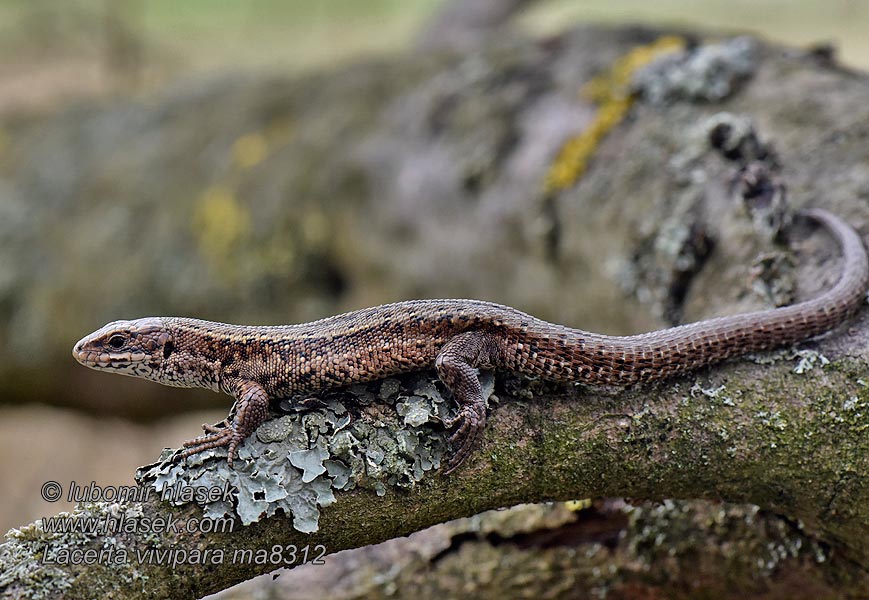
(256, 364)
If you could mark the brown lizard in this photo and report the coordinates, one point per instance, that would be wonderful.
(456, 337)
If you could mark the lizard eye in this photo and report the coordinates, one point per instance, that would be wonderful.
(117, 341)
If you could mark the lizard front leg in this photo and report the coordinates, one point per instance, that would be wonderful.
(456, 365)
(251, 410)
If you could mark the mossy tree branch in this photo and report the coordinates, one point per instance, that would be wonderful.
(742, 432)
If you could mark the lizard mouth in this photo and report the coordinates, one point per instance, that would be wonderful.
(97, 359)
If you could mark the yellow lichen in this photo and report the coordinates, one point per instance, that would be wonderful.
(220, 223)
(250, 150)
(611, 91)
(223, 226)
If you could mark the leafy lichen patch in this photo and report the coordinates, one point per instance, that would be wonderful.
(710, 73)
(388, 437)
(809, 359)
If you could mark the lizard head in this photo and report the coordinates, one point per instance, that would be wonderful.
(139, 348)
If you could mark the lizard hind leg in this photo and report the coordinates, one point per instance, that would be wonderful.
(456, 365)
(250, 411)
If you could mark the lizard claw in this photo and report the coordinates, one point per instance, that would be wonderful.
(217, 427)
(250, 411)
(471, 421)
(216, 437)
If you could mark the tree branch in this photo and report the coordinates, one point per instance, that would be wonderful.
(743, 432)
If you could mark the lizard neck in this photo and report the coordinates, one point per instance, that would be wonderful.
(196, 358)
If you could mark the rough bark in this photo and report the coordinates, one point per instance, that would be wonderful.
(436, 178)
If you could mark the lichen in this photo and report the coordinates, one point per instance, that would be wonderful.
(758, 545)
(221, 224)
(773, 278)
(298, 461)
(668, 254)
(612, 549)
(808, 360)
(612, 92)
(20, 556)
(710, 73)
(34, 558)
(249, 150)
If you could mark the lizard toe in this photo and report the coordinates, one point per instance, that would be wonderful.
(472, 420)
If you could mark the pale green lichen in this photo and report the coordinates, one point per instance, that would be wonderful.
(298, 461)
(35, 559)
(808, 360)
(710, 73)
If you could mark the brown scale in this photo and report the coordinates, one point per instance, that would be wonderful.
(256, 364)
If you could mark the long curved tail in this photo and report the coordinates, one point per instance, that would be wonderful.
(625, 360)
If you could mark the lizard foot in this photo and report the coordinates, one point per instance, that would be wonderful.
(216, 437)
(471, 421)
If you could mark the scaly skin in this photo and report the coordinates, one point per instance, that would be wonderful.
(257, 364)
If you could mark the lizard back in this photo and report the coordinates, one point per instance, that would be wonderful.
(377, 342)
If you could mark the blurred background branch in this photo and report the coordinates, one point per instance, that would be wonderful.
(51, 52)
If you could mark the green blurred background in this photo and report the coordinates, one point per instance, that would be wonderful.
(52, 51)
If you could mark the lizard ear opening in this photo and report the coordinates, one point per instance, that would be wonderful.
(168, 349)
